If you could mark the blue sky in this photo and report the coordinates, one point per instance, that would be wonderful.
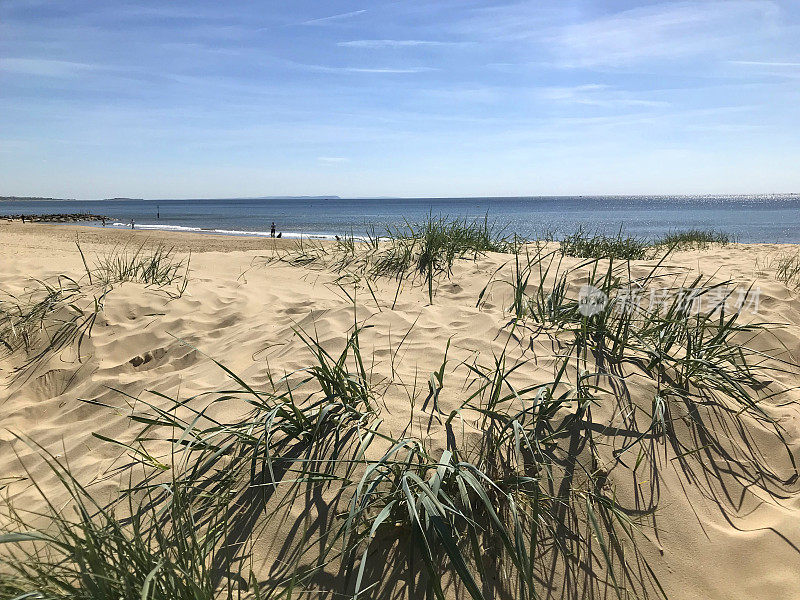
(407, 98)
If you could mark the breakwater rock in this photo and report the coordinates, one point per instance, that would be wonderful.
(56, 218)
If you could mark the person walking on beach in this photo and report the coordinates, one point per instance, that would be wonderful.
(272, 230)
(131, 223)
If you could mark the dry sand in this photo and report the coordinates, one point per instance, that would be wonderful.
(714, 533)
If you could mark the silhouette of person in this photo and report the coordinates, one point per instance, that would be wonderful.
(272, 230)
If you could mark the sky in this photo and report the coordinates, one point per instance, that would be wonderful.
(207, 99)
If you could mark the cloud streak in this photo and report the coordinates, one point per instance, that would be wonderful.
(374, 70)
(599, 95)
(333, 18)
(394, 43)
(45, 67)
(764, 63)
(662, 32)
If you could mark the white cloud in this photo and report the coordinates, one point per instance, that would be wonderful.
(339, 17)
(377, 70)
(665, 31)
(392, 43)
(43, 67)
(764, 63)
(597, 95)
(386, 70)
(332, 159)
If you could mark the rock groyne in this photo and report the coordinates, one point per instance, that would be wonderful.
(56, 218)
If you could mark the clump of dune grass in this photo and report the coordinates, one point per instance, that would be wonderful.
(539, 286)
(424, 252)
(694, 239)
(61, 311)
(693, 357)
(49, 317)
(787, 269)
(527, 482)
(132, 548)
(441, 241)
(651, 319)
(318, 431)
(158, 266)
(583, 244)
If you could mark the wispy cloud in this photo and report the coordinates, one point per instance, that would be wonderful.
(376, 70)
(386, 70)
(45, 67)
(594, 94)
(764, 63)
(496, 85)
(394, 43)
(661, 32)
(332, 18)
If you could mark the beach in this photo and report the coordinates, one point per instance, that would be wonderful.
(20, 237)
(710, 494)
(399, 300)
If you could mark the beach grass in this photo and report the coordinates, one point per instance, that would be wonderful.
(159, 266)
(59, 312)
(315, 429)
(583, 244)
(694, 239)
(518, 467)
(418, 252)
(48, 317)
(133, 548)
(787, 269)
(316, 434)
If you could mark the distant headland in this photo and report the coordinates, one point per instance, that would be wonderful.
(125, 199)
(290, 198)
(33, 199)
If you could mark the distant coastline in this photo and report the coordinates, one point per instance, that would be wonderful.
(126, 199)
(765, 218)
(34, 199)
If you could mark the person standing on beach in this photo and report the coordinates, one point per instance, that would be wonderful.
(131, 223)
(272, 230)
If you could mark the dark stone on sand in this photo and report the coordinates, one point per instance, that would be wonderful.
(56, 218)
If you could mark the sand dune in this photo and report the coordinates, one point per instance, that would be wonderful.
(713, 524)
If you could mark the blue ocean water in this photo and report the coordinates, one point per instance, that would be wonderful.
(753, 218)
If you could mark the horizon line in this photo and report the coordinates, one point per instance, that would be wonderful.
(30, 198)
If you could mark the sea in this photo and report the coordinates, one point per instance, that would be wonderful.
(747, 218)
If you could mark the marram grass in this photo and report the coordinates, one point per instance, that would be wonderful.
(513, 500)
(60, 312)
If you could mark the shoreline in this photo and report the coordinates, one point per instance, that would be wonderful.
(293, 235)
(62, 236)
(58, 236)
